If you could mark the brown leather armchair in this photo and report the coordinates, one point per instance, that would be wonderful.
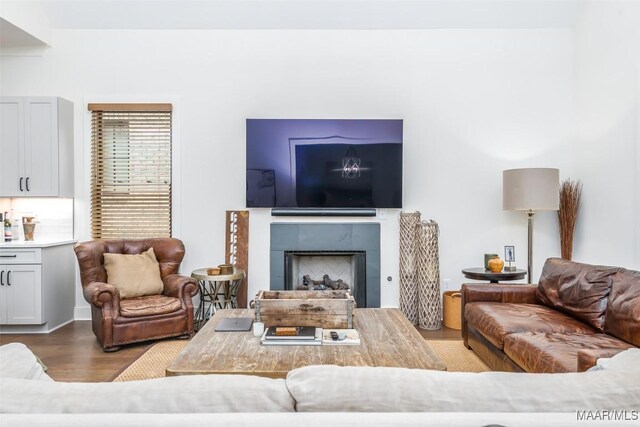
(119, 321)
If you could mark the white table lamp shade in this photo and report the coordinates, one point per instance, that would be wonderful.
(535, 189)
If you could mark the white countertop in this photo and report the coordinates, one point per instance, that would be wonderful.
(16, 244)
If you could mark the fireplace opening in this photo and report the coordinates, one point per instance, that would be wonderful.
(327, 270)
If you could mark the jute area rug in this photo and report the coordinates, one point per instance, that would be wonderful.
(153, 362)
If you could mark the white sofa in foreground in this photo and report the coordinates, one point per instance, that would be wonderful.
(344, 396)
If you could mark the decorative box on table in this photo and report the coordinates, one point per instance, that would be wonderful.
(323, 309)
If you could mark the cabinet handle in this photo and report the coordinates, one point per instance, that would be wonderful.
(21, 178)
(1, 277)
(8, 256)
(27, 181)
(8, 277)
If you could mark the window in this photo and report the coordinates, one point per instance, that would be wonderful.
(130, 170)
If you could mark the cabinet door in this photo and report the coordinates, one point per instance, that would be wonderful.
(11, 146)
(23, 287)
(3, 296)
(41, 147)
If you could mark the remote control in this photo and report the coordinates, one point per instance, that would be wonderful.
(334, 335)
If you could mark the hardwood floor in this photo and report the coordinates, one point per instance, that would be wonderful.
(72, 353)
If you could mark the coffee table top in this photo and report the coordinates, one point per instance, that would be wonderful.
(387, 339)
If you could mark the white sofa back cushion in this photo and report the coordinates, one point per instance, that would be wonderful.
(190, 393)
(364, 389)
(17, 361)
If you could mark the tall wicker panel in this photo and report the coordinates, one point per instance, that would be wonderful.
(409, 222)
(429, 298)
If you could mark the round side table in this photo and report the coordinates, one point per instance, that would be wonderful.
(216, 292)
(482, 274)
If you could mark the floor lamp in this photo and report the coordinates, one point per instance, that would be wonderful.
(530, 190)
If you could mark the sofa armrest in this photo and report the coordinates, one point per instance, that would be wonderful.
(490, 292)
(588, 357)
(102, 295)
(178, 286)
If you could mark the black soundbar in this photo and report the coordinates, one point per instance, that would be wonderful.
(323, 212)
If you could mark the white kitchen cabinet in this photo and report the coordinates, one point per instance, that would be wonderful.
(21, 292)
(36, 147)
(37, 287)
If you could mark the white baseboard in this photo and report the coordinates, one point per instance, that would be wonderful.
(82, 313)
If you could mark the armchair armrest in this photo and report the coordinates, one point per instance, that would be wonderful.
(178, 286)
(518, 294)
(102, 294)
(588, 357)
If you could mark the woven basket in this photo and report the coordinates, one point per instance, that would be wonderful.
(409, 222)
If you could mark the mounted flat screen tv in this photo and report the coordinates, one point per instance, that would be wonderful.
(324, 163)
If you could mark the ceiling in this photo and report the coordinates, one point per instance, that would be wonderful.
(285, 14)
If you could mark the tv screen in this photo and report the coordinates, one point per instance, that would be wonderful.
(324, 163)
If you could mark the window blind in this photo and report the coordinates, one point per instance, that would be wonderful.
(130, 170)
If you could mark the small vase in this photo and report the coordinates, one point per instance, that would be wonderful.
(496, 264)
(28, 226)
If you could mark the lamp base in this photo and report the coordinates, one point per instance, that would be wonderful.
(512, 268)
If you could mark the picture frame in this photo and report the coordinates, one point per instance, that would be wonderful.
(509, 253)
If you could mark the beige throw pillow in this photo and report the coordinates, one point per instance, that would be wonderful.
(134, 275)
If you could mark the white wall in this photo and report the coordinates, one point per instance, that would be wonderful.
(474, 102)
(607, 90)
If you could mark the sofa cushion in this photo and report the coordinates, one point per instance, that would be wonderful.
(495, 320)
(149, 306)
(17, 361)
(182, 394)
(554, 352)
(134, 275)
(580, 290)
(622, 317)
(367, 389)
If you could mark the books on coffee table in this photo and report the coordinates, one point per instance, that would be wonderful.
(290, 333)
(316, 339)
(345, 337)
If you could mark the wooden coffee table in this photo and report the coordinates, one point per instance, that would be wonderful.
(387, 339)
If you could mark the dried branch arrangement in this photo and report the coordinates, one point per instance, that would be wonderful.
(570, 195)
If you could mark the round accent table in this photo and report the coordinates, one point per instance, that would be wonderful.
(216, 292)
(482, 274)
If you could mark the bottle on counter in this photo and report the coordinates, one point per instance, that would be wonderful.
(8, 235)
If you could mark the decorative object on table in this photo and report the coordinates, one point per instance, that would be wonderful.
(487, 257)
(570, 196)
(213, 271)
(237, 248)
(224, 269)
(29, 226)
(327, 309)
(409, 222)
(429, 299)
(496, 264)
(530, 190)
(258, 329)
(451, 303)
(510, 256)
(342, 337)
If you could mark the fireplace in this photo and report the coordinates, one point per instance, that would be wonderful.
(327, 270)
(346, 253)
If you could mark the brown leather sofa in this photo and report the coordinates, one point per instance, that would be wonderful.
(119, 321)
(575, 315)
